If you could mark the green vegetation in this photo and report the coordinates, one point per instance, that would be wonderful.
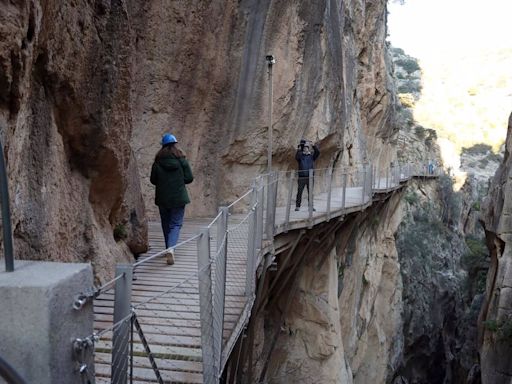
(409, 64)
(491, 325)
(420, 132)
(477, 149)
(450, 199)
(408, 87)
(502, 328)
(120, 232)
(476, 262)
(397, 51)
(412, 198)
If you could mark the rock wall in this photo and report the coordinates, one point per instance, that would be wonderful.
(200, 72)
(84, 83)
(430, 251)
(495, 322)
(65, 121)
(339, 319)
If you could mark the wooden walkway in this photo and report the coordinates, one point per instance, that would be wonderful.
(171, 322)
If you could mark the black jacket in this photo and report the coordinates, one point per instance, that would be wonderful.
(306, 162)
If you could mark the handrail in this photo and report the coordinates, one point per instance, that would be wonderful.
(6, 214)
(8, 373)
(259, 221)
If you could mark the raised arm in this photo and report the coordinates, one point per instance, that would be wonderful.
(316, 152)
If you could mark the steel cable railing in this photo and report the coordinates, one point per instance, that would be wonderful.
(217, 297)
(9, 374)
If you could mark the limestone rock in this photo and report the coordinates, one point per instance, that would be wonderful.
(66, 127)
(496, 315)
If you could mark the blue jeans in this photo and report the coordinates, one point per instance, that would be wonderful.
(172, 220)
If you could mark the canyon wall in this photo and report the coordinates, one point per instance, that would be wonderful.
(88, 88)
(200, 72)
(495, 321)
(65, 121)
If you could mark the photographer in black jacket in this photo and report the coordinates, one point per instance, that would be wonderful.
(306, 160)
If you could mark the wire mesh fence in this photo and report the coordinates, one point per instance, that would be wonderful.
(180, 323)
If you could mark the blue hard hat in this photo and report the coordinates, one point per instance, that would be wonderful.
(168, 139)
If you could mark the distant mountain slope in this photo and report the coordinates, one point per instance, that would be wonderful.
(467, 97)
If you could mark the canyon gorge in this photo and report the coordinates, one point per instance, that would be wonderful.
(415, 289)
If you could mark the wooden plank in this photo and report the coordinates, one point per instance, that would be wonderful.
(148, 376)
(160, 351)
(143, 362)
(170, 320)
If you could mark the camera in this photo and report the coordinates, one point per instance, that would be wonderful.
(270, 59)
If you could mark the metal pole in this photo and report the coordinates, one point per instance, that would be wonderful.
(121, 333)
(6, 214)
(220, 286)
(251, 246)
(364, 185)
(329, 193)
(206, 307)
(270, 62)
(259, 214)
(288, 202)
(344, 191)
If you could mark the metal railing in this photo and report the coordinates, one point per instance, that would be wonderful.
(9, 374)
(229, 249)
(6, 214)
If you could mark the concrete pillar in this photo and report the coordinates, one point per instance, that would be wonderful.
(37, 321)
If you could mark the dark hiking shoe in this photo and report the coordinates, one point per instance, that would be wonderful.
(170, 257)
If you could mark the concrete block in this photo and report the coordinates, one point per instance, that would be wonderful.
(37, 321)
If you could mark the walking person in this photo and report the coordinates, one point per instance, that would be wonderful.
(306, 160)
(169, 173)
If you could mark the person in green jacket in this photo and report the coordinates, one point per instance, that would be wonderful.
(169, 173)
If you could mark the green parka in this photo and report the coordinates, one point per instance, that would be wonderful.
(170, 174)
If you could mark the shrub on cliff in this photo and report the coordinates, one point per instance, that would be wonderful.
(450, 199)
(409, 64)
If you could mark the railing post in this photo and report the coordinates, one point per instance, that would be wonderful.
(387, 178)
(259, 214)
(373, 177)
(310, 196)
(269, 230)
(251, 247)
(364, 184)
(220, 280)
(206, 307)
(329, 193)
(344, 191)
(121, 332)
(289, 202)
(6, 214)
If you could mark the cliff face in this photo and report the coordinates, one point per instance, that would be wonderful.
(84, 83)
(496, 315)
(339, 319)
(200, 72)
(65, 76)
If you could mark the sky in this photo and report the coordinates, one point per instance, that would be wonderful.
(450, 38)
(428, 29)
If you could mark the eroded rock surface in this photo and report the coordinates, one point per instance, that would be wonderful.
(200, 72)
(496, 315)
(65, 75)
